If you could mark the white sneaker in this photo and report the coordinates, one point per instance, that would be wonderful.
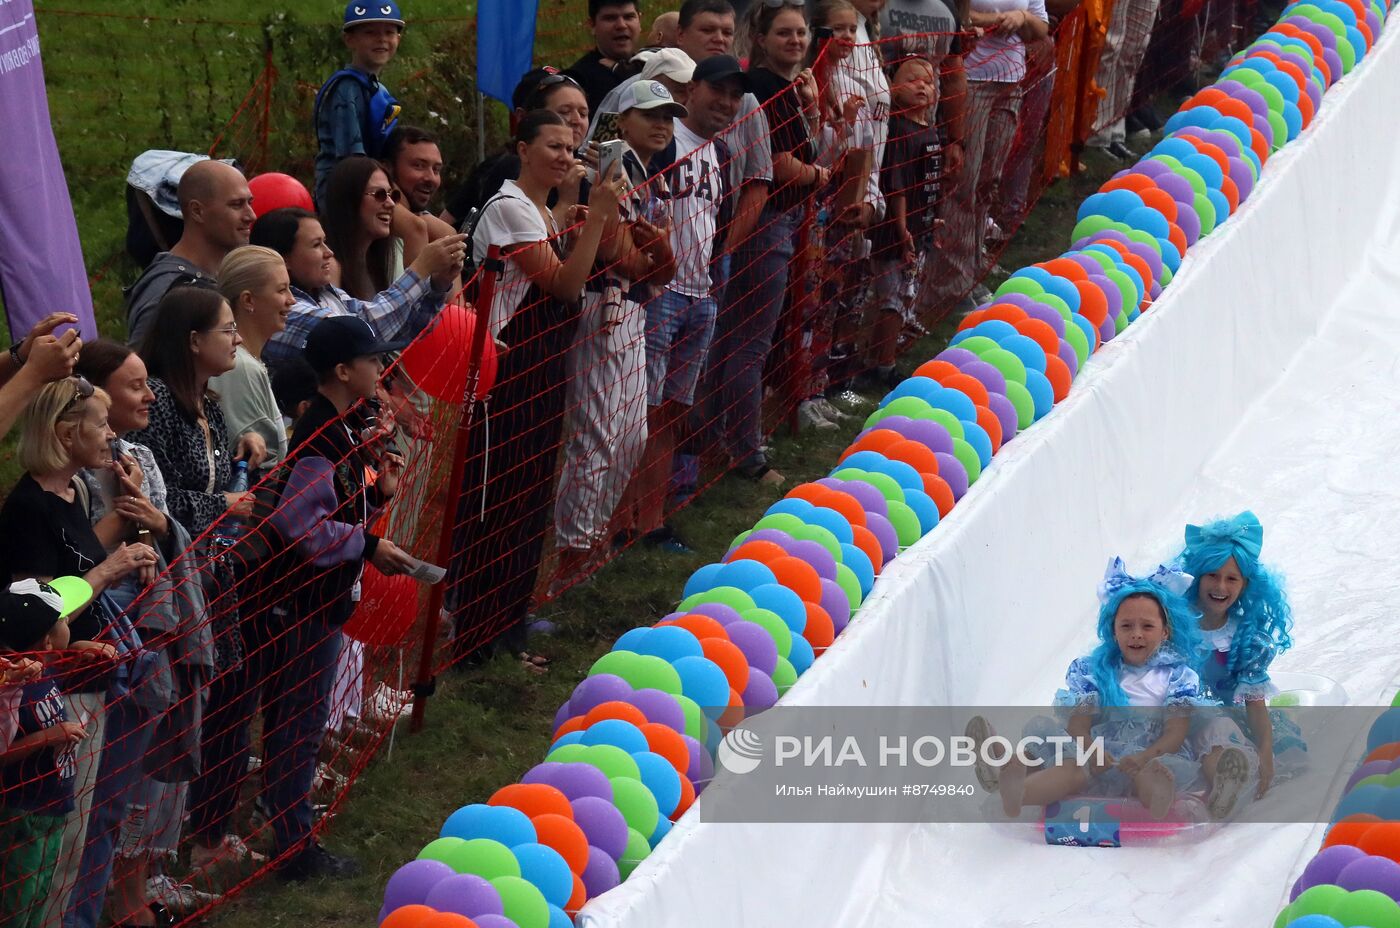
(386, 704)
(230, 850)
(829, 410)
(181, 899)
(809, 416)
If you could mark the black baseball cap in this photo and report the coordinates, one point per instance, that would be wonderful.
(720, 68)
(342, 339)
(29, 608)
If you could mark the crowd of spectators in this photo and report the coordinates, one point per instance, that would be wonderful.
(215, 482)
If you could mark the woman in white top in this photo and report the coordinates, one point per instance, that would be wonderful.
(504, 510)
(254, 281)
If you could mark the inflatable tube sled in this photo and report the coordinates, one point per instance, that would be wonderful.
(1104, 821)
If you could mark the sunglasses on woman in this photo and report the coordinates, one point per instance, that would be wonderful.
(381, 194)
(82, 390)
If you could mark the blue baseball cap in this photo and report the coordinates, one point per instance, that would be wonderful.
(360, 12)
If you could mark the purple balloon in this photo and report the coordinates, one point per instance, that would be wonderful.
(1091, 267)
(1370, 769)
(600, 873)
(1379, 873)
(836, 604)
(1261, 125)
(1110, 290)
(779, 537)
(870, 499)
(760, 693)
(1107, 330)
(701, 768)
(987, 375)
(814, 554)
(602, 824)
(932, 435)
(1189, 221)
(1047, 315)
(1331, 55)
(1176, 186)
(1155, 290)
(952, 470)
(494, 921)
(660, 707)
(563, 714)
(465, 894)
(718, 611)
(1322, 870)
(1241, 175)
(1067, 355)
(1148, 254)
(1246, 95)
(1215, 137)
(756, 645)
(573, 780)
(884, 533)
(1019, 300)
(1149, 167)
(412, 882)
(595, 690)
(956, 356)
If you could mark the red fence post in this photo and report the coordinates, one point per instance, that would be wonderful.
(424, 685)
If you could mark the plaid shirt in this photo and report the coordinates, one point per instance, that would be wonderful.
(401, 312)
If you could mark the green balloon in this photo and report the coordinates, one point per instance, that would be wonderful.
(773, 624)
(1010, 366)
(1020, 397)
(1367, 907)
(1318, 900)
(949, 422)
(694, 716)
(739, 539)
(1193, 177)
(730, 596)
(846, 578)
(1019, 285)
(1056, 303)
(782, 521)
(1206, 210)
(905, 522)
(636, 803)
(1249, 77)
(523, 903)
(1169, 160)
(612, 760)
(912, 406)
(567, 754)
(978, 344)
(614, 662)
(1274, 98)
(889, 487)
(967, 455)
(1395, 700)
(1079, 342)
(1089, 225)
(784, 675)
(1104, 260)
(1120, 322)
(1131, 295)
(1148, 239)
(1284, 917)
(644, 671)
(822, 536)
(1276, 123)
(636, 852)
(480, 856)
(1378, 779)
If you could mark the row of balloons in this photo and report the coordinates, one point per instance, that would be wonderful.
(633, 745)
(1354, 879)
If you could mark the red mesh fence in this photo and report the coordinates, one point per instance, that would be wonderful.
(765, 261)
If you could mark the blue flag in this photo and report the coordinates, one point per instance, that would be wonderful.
(505, 45)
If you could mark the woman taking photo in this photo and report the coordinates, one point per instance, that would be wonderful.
(515, 437)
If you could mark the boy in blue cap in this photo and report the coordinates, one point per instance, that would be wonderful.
(354, 113)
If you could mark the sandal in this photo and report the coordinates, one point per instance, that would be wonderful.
(535, 663)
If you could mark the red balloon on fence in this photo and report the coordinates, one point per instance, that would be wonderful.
(438, 359)
(388, 608)
(276, 191)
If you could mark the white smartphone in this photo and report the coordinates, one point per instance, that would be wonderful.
(609, 154)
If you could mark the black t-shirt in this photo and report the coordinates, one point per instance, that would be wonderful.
(595, 79)
(931, 21)
(913, 164)
(788, 130)
(42, 535)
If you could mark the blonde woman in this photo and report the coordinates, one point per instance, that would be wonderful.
(254, 281)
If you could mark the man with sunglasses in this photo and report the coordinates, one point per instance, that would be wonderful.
(616, 25)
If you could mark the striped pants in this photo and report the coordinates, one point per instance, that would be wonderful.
(1129, 30)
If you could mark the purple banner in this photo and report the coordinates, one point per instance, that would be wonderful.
(41, 261)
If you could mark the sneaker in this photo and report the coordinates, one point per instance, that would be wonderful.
(852, 400)
(1122, 152)
(810, 417)
(979, 730)
(763, 475)
(386, 704)
(1230, 775)
(829, 410)
(915, 328)
(317, 863)
(180, 899)
(254, 763)
(327, 780)
(665, 539)
(980, 294)
(230, 850)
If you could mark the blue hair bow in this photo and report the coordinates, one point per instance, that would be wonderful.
(1244, 532)
(1168, 576)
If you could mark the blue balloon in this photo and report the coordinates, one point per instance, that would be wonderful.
(1023, 347)
(995, 329)
(955, 402)
(859, 563)
(670, 643)
(920, 387)
(791, 506)
(573, 737)
(831, 520)
(1040, 274)
(616, 732)
(1222, 205)
(1170, 256)
(924, 508)
(713, 736)
(1203, 117)
(1315, 921)
(704, 682)
(981, 442)
(634, 639)
(1292, 120)
(545, 868)
(802, 655)
(903, 474)
(1206, 167)
(558, 918)
(499, 823)
(663, 828)
(1065, 289)
(1361, 799)
(1042, 394)
(702, 580)
(779, 599)
(1118, 203)
(661, 779)
(1177, 148)
(1388, 806)
(1091, 331)
(1150, 221)
(1384, 730)
(745, 574)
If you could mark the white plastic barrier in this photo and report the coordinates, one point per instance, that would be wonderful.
(990, 607)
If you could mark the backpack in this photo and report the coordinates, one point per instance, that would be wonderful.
(378, 117)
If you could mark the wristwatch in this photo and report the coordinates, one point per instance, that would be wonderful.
(15, 355)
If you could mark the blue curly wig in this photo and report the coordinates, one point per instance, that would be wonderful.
(1262, 610)
(1183, 634)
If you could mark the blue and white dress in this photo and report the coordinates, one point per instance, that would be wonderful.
(1247, 682)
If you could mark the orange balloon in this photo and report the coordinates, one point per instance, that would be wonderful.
(564, 836)
(533, 799)
(729, 659)
(1006, 312)
(972, 319)
(669, 744)
(1389, 751)
(992, 425)
(1057, 372)
(1133, 182)
(570, 726)
(1209, 96)
(813, 493)
(1382, 839)
(820, 631)
(844, 503)
(938, 489)
(1305, 108)
(1093, 305)
(1211, 151)
(864, 539)
(1161, 201)
(580, 894)
(967, 385)
(687, 797)
(447, 920)
(875, 440)
(734, 715)
(761, 551)
(1064, 267)
(1041, 333)
(1350, 829)
(702, 626)
(1230, 192)
(1138, 264)
(1258, 142)
(1177, 238)
(408, 916)
(797, 575)
(914, 454)
(616, 709)
(936, 370)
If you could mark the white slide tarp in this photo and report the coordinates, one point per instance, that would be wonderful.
(1267, 377)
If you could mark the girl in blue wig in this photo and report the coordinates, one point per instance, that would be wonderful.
(1147, 635)
(1245, 623)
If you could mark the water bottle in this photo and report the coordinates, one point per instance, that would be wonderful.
(231, 529)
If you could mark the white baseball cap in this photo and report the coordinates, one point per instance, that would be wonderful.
(669, 62)
(643, 94)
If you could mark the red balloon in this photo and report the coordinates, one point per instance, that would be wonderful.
(277, 191)
(387, 610)
(438, 358)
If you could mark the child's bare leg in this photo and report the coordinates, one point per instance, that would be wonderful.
(1210, 762)
(1156, 789)
(1019, 787)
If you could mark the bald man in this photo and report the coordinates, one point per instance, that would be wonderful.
(665, 30)
(217, 207)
